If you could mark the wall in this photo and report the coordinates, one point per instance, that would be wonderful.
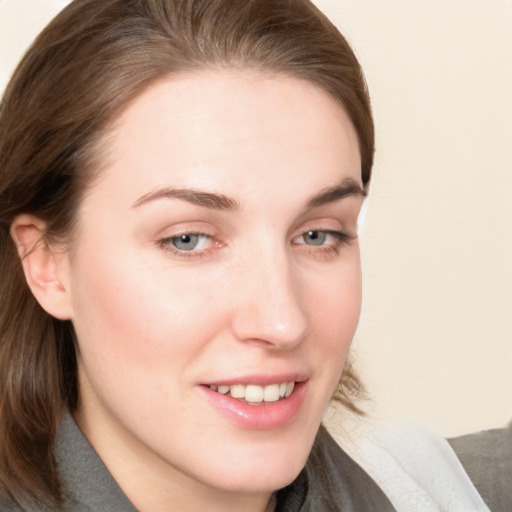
(435, 340)
(434, 345)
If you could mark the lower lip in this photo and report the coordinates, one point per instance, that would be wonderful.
(260, 416)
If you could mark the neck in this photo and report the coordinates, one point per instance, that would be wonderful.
(151, 483)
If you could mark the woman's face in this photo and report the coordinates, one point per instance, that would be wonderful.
(215, 267)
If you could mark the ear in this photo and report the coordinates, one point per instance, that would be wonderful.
(46, 266)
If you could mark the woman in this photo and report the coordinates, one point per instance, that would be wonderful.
(180, 187)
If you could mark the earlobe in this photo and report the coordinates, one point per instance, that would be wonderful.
(44, 265)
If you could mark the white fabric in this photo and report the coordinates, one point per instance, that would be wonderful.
(417, 470)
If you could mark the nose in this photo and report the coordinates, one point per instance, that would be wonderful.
(270, 307)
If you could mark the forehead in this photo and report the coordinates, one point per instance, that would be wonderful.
(235, 131)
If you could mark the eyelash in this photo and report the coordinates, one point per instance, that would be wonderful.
(167, 245)
(340, 238)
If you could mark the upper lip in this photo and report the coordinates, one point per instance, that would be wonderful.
(258, 380)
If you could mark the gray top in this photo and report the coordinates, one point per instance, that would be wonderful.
(487, 459)
(87, 484)
(330, 482)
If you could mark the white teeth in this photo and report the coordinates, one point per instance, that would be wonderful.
(237, 391)
(254, 393)
(257, 394)
(271, 393)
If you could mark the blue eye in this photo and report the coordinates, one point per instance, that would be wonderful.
(315, 238)
(187, 242)
(323, 241)
(189, 245)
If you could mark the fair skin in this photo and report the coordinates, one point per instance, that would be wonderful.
(208, 254)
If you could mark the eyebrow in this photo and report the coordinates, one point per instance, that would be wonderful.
(215, 201)
(348, 187)
(209, 200)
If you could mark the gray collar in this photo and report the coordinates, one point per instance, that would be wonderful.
(87, 483)
(331, 481)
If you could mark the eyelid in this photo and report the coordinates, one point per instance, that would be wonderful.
(330, 251)
(340, 235)
(166, 245)
(328, 222)
(201, 237)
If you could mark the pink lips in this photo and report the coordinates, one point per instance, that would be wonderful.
(260, 416)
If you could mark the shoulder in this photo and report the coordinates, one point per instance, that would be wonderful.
(416, 469)
(356, 489)
(487, 458)
(332, 481)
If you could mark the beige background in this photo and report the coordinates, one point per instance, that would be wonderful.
(434, 344)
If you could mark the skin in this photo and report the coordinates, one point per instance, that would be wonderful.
(254, 297)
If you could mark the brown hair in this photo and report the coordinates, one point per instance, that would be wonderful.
(82, 70)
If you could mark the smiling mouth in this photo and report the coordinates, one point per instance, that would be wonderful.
(254, 394)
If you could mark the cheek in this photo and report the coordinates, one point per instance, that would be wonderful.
(339, 299)
(141, 317)
(138, 335)
(336, 308)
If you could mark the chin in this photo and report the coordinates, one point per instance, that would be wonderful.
(255, 482)
(262, 461)
(263, 470)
